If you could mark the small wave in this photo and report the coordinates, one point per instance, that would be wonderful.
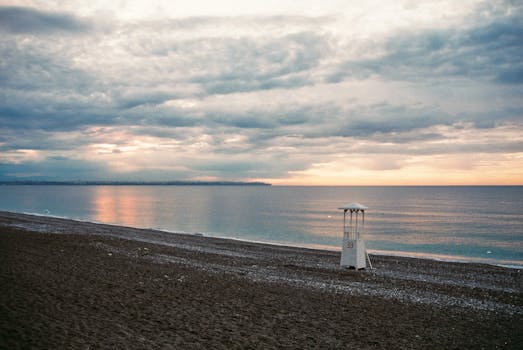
(449, 258)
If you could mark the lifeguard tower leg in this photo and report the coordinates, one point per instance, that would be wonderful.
(368, 259)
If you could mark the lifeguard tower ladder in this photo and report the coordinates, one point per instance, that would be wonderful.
(353, 252)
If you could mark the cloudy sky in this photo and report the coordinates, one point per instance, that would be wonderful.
(288, 92)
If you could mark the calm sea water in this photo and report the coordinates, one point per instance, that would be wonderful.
(481, 224)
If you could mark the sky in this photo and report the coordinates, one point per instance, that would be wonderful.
(287, 92)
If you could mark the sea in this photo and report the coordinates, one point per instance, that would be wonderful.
(455, 223)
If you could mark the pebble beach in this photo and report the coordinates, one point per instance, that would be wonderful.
(79, 285)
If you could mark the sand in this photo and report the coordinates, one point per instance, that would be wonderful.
(74, 285)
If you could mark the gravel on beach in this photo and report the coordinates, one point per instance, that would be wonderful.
(68, 284)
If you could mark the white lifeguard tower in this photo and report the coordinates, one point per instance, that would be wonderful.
(353, 252)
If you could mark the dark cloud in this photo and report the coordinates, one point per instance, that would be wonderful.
(224, 64)
(163, 132)
(154, 115)
(485, 52)
(444, 148)
(415, 136)
(260, 118)
(491, 118)
(243, 121)
(511, 76)
(31, 21)
(14, 139)
(226, 166)
(52, 168)
(36, 67)
(263, 165)
(377, 119)
(130, 99)
(44, 115)
(240, 65)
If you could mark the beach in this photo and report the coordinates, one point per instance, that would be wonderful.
(80, 285)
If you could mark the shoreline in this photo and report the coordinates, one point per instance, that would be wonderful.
(434, 257)
(72, 284)
(226, 246)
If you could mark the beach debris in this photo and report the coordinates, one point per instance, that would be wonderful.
(110, 254)
(489, 252)
(143, 251)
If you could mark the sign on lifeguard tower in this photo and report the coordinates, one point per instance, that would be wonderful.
(353, 251)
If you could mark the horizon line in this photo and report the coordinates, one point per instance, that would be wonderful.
(226, 183)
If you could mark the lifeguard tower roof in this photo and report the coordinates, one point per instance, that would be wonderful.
(353, 206)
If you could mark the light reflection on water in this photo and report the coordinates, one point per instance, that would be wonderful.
(476, 223)
(118, 205)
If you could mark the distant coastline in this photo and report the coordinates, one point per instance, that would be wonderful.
(138, 183)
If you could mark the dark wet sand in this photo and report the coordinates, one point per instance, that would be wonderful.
(75, 285)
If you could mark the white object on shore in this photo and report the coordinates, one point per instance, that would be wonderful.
(353, 252)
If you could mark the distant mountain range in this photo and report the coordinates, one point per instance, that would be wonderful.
(137, 183)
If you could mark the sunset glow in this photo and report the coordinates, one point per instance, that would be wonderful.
(308, 93)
